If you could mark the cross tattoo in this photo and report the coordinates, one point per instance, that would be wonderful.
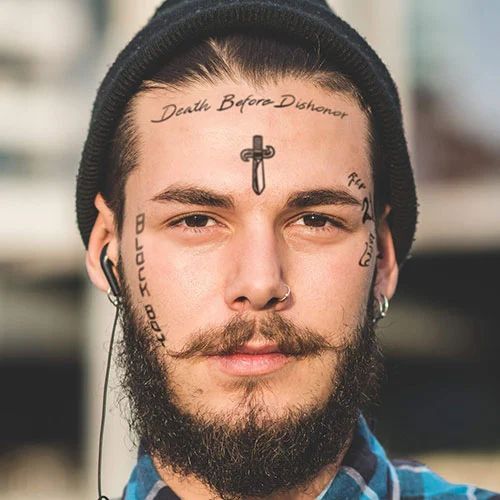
(257, 155)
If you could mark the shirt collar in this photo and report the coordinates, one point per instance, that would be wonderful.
(365, 470)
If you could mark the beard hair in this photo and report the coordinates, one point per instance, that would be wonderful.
(253, 454)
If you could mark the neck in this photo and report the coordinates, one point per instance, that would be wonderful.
(189, 486)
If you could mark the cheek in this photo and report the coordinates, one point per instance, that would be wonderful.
(187, 287)
(332, 289)
(184, 286)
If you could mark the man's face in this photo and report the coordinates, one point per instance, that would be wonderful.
(192, 267)
(233, 202)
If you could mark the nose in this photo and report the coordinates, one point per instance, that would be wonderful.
(255, 281)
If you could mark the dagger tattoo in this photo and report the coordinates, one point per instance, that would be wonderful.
(257, 155)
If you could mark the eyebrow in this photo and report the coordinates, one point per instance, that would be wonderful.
(311, 198)
(298, 199)
(195, 196)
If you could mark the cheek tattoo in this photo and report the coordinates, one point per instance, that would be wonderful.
(368, 216)
(367, 256)
(257, 155)
(140, 262)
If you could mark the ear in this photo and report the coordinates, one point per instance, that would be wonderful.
(103, 232)
(387, 265)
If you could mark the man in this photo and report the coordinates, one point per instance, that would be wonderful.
(245, 190)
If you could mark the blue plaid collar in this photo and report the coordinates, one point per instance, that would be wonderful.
(365, 473)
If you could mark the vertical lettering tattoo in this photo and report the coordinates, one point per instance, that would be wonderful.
(353, 179)
(257, 154)
(140, 261)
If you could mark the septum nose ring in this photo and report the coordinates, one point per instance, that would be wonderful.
(287, 294)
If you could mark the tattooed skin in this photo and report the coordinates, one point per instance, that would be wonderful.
(140, 262)
(257, 154)
(367, 209)
(356, 180)
(367, 256)
(230, 101)
(368, 216)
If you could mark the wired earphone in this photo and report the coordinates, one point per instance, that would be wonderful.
(114, 296)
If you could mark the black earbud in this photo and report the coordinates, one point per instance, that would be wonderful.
(107, 267)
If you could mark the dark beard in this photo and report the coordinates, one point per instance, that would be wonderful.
(255, 455)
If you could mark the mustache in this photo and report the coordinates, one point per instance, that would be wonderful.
(290, 339)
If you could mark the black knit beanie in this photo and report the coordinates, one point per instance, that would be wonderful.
(176, 22)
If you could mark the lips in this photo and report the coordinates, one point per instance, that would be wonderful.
(258, 349)
(251, 360)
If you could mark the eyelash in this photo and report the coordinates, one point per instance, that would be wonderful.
(185, 227)
(333, 221)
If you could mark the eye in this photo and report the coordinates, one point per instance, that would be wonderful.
(194, 221)
(315, 220)
(319, 221)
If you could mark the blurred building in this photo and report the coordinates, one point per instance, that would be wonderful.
(442, 397)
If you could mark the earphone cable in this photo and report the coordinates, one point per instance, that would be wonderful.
(104, 401)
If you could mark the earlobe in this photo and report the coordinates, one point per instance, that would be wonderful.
(103, 234)
(387, 266)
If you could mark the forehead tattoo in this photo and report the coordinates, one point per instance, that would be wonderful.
(257, 154)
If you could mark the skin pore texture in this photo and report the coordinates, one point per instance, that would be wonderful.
(216, 255)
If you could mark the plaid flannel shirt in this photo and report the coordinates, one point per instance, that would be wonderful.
(366, 473)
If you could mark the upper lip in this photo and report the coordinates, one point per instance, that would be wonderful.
(258, 349)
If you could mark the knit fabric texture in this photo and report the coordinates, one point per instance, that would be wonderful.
(177, 22)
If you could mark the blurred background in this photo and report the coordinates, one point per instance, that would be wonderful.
(441, 400)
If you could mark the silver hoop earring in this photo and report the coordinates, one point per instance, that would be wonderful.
(383, 306)
(287, 294)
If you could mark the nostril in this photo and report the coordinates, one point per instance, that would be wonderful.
(273, 302)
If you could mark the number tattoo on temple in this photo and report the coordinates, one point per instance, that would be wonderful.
(140, 262)
(367, 209)
(368, 215)
(257, 154)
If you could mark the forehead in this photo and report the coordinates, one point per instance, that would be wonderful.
(196, 136)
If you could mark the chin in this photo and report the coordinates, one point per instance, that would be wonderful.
(261, 400)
